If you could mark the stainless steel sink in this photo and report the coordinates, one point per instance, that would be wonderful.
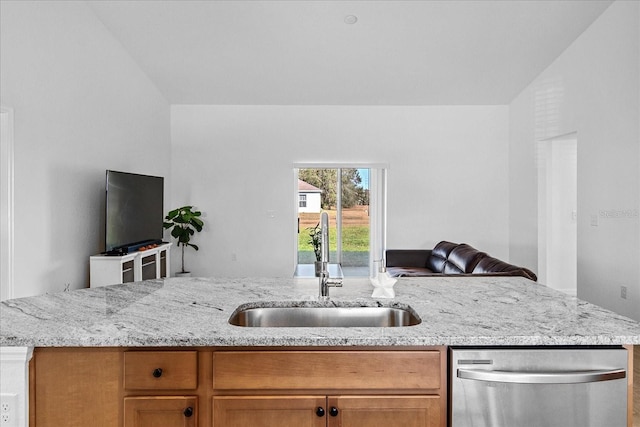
(324, 317)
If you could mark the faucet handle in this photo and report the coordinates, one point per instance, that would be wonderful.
(334, 283)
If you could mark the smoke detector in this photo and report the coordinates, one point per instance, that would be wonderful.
(350, 19)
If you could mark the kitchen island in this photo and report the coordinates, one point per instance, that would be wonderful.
(188, 317)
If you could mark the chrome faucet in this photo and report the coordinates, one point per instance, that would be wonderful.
(325, 280)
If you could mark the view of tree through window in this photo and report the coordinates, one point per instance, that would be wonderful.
(349, 225)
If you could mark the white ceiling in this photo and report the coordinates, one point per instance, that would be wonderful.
(302, 52)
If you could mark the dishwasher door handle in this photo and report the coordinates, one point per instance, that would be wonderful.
(542, 377)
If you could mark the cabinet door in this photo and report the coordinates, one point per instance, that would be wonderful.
(149, 267)
(165, 411)
(384, 411)
(269, 411)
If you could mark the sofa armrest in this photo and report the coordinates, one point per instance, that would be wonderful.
(407, 257)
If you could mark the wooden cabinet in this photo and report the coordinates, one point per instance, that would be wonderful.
(327, 411)
(165, 411)
(333, 369)
(160, 370)
(142, 265)
(384, 411)
(171, 372)
(349, 388)
(267, 411)
(75, 387)
(222, 387)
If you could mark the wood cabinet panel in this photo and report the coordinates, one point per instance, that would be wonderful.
(77, 387)
(296, 370)
(161, 411)
(385, 411)
(161, 370)
(269, 411)
(112, 387)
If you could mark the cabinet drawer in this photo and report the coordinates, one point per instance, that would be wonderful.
(308, 370)
(164, 411)
(281, 411)
(160, 370)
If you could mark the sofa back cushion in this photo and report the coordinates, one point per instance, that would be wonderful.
(439, 255)
(463, 259)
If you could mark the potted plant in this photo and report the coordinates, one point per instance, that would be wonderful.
(315, 239)
(184, 222)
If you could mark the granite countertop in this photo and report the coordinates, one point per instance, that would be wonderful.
(194, 312)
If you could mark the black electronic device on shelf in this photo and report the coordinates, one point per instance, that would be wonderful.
(134, 211)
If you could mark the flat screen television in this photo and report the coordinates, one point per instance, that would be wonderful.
(134, 210)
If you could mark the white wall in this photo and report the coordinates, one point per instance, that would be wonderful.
(81, 106)
(591, 89)
(448, 176)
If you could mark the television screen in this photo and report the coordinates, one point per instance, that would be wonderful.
(134, 209)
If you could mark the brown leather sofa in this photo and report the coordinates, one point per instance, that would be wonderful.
(448, 259)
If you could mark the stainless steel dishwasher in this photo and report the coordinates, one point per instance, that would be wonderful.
(538, 387)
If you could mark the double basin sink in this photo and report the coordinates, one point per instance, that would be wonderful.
(294, 315)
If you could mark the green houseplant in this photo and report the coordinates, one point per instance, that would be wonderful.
(315, 239)
(184, 222)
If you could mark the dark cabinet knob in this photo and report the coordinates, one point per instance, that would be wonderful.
(320, 411)
(188, 412)
(157, 373)
(333, 411)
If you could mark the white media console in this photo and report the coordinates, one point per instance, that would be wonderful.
(141, 265)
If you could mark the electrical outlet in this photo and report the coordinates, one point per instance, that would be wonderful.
(8, 408)
(623, 292)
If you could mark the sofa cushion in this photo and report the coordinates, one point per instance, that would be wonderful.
(463, 259)
(439, 255)
(409, 272)
(489, 264)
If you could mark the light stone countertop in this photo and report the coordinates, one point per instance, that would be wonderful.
(194, 312)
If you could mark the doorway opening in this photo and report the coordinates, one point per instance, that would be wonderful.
(558, 212)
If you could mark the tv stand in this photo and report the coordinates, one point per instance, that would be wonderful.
(148, 264)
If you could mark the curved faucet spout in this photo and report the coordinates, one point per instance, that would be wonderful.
(324, 237)
(325, 280)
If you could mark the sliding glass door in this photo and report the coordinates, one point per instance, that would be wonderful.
(344, 193)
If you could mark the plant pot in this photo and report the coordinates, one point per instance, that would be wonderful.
(318, 267)
(183, 274)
